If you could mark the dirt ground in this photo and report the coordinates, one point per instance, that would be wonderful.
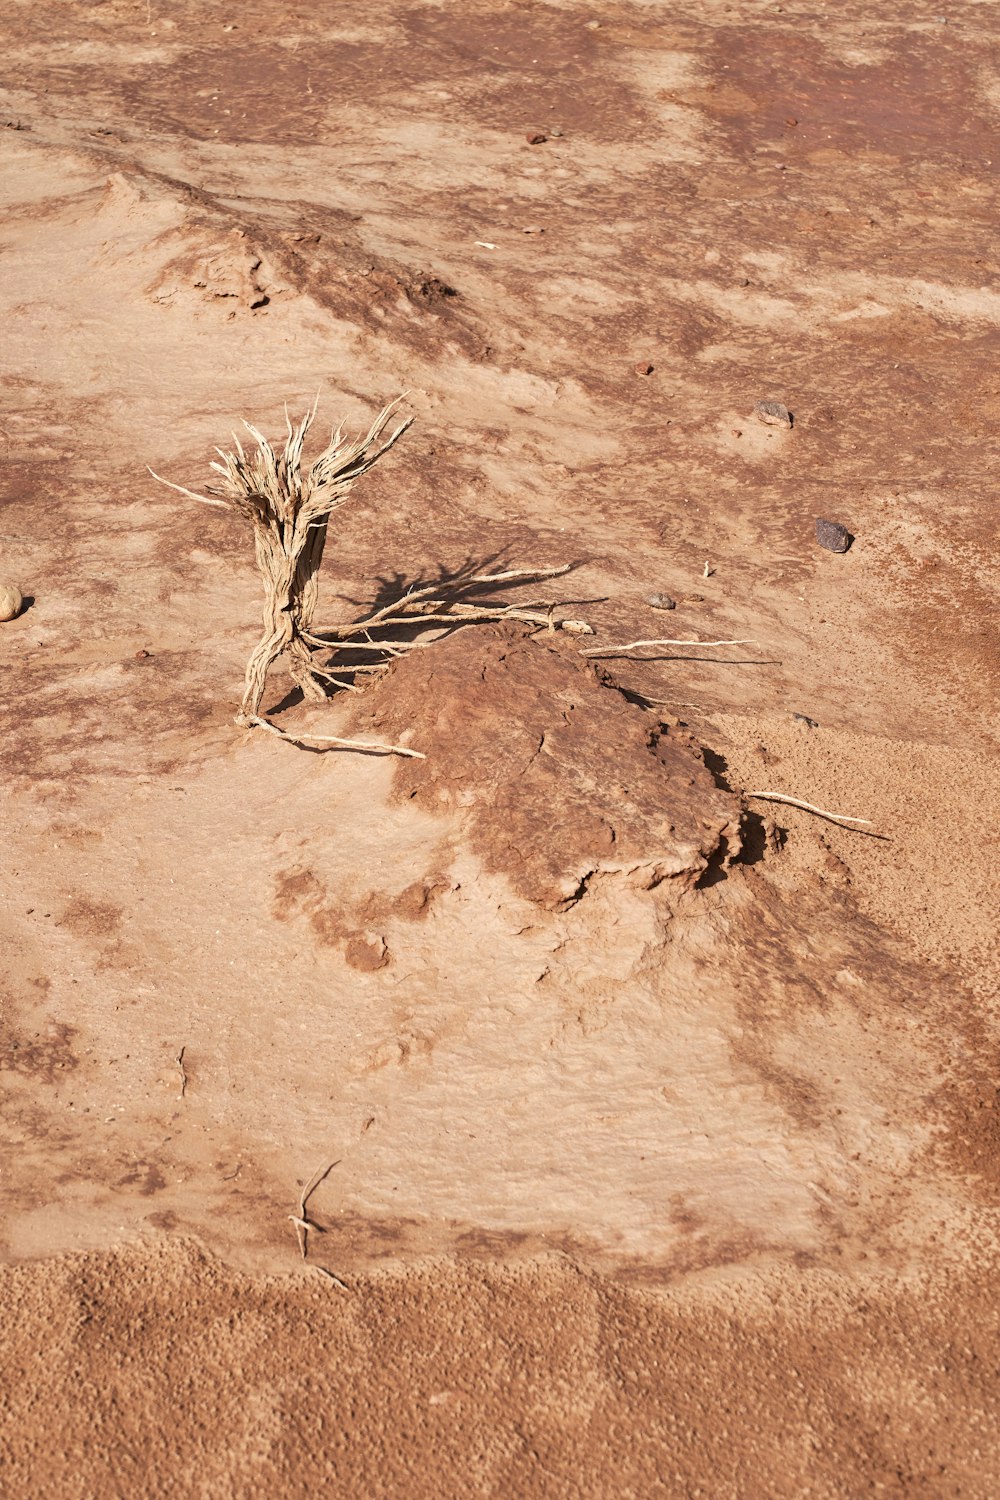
(664, 1120)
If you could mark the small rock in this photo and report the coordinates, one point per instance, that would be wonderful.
(536, 138)
(805, 719)
(661, 601)
(10, 601)
(833, 536)
(644, 368)
(773, 414)
(576, 627)
(555, 133)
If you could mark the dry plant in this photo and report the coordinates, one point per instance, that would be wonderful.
(289, 512)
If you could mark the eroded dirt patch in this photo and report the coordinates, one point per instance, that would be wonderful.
(557, 776)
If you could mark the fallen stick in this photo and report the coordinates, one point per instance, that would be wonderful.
(325, 1271)
(302, 1222)
(668, 702)
(254, 722)
(634, 646)
(806, 807)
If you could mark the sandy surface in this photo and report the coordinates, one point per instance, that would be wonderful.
(666, 1120)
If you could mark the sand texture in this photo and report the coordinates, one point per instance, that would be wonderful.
(662, 1119)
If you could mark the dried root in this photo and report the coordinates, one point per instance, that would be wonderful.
(435, 606)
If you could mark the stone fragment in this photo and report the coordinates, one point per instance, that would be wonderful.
(773, 414)
(833, 536)
(661, 601)
(10, 601)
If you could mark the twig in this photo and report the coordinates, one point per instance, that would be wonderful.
(325, 1271)
(348, 687)
(302, 1228)
(668, 702)
(392, 648)
(204, 499)
(462, 585)
(302, 1222)
(806, 806)
(252, 721)
(634, 646)
(179, 1060)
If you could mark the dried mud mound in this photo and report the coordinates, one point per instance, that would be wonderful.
(555, 776)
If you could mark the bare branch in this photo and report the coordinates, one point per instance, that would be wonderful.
(806, 807)
(202, 499)
(301, 1220)
(254, 722)
(635, 645)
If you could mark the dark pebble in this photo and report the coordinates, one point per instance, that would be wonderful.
(805, 719)
(536, 138)
(833, 536)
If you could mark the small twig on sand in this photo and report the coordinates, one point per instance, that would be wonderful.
(254, 722)
(325, 1271)
(806, 807)
(634, 646)
(667, 702)
(302, 1222)
(179, 1060)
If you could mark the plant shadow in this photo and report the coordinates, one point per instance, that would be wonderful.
(348, 667)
